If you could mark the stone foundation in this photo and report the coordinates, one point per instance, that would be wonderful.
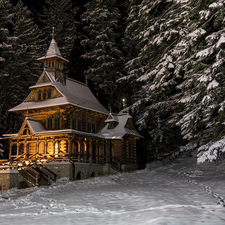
(10, 176)
(78, 170)
(129, 167)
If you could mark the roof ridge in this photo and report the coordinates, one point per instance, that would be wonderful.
(76, 81)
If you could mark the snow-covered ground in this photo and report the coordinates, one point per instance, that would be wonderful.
(179, 193)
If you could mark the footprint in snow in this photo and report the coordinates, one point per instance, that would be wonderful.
(52, 201)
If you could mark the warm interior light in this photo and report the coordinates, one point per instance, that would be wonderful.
(56, 149)
(63, 145)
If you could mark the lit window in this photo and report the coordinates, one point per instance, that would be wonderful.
(21, 149)
(41, 148)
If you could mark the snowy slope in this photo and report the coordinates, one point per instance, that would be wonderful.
(180, 193)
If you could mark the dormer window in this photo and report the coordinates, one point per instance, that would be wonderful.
(49, 93)
(44, 94)
(39, 95)
(111, 125)
(112, 121)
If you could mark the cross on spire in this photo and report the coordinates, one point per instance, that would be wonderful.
(53, 32)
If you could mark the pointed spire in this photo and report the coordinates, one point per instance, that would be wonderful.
(53, 49)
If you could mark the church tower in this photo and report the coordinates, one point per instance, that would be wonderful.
(54, 61)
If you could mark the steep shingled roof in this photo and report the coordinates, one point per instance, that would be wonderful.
(74, 93)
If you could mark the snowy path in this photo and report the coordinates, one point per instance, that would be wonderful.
(175, 194)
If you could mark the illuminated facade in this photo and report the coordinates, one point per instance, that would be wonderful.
(63, 121)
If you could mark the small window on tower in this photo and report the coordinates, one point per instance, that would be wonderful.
(52, 64)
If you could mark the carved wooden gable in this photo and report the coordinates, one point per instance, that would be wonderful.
(25, 130)
(31, 97)
(43, 93)
(44, 79)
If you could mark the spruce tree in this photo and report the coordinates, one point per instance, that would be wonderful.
(130, 48)
(60, 14)
(101, 27)
(202, 117)
(156, 28)
(6, 80)
(26, 49)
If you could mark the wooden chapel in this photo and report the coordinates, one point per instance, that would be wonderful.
(63, 121)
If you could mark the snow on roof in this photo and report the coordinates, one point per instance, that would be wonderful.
(53, 51)
(74, 93)
(35, 125)
(119, 131)
(116, 133)
(111, 118)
